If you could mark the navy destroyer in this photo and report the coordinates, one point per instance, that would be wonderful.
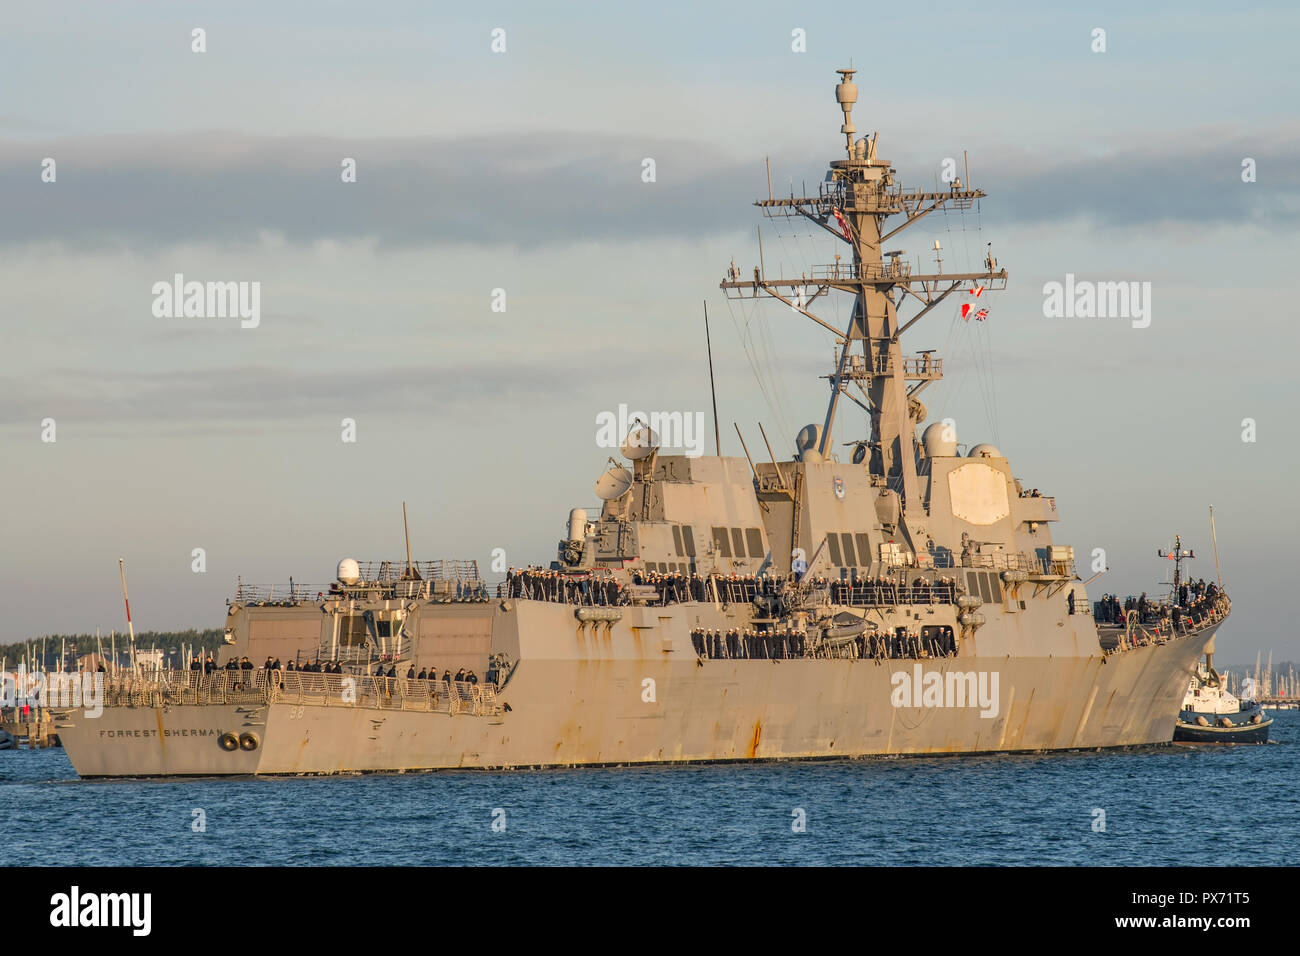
(907, 600)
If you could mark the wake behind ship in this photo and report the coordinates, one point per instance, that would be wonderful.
(908, 601)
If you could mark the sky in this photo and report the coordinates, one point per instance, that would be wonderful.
(522, 171)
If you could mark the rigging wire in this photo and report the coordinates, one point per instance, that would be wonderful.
(756, 363)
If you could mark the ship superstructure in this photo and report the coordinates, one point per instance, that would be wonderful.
(909, 600)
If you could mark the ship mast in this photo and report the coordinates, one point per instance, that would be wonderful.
(854, 205)
(1178, 555)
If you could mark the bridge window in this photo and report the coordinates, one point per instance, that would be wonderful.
(833, 542)
(864, 551)
(677, 539)
(738, 542)
(352, 629)
(722, 542)
(849, 556)
(755, 538)
(688, 539)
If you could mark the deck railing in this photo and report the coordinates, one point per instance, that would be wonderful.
(178, 688)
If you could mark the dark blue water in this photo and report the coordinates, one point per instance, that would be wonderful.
(1162, 806)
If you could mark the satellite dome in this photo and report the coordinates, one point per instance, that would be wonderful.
(984, 450)
(936, 444)
(349, 571)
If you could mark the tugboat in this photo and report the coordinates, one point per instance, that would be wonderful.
(1212, 715)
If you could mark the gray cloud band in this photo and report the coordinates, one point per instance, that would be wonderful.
(538, 190)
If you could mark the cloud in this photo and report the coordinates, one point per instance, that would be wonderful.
(1190, 178)
(535, 190)
(268, 392)
(515, 190)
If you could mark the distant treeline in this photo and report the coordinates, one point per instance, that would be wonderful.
(167, 641)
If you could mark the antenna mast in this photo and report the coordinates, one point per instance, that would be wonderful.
(406, 528)
(854, 205)
(121, 569)
(1214, 539)
(1177, 555)
(717, 440)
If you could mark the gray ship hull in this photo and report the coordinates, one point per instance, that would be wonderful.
(563, 713)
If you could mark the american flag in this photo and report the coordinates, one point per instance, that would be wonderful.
(844, 226)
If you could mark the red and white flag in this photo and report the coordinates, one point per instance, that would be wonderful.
(968, 308)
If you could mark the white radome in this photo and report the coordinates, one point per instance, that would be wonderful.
(934, 443)
(349, 571)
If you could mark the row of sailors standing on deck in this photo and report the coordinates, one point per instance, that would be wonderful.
(747, 644)
(539, 584)
(675, 587)
(316, 667)
(884, 591)
(1196, 602)
(209, 665)
(938, 641)
(1192, 592)
(461, 676)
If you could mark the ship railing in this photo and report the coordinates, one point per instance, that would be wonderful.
(443, 578)
(384, 693)
(176, 687)
(1133, 630)
(388, 572)
(280, 594)
(179, 687)
(868, 271)
(461, 589)
(1002, 561)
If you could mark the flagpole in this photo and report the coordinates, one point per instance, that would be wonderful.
(121, 567)
(1214, 539)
